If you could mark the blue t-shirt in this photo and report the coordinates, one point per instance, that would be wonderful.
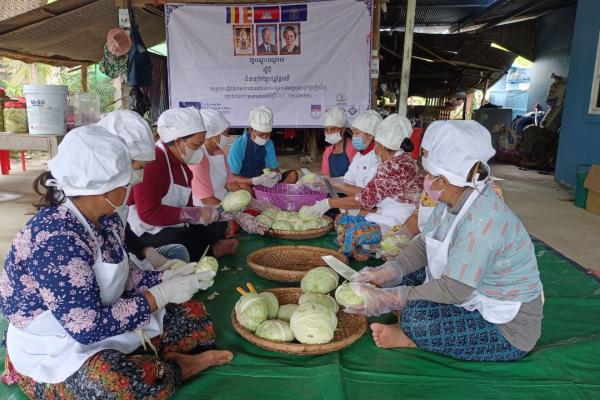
(239, 161)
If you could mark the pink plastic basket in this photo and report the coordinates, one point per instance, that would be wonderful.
(287, 196)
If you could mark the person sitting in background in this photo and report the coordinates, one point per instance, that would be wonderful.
(136, 132)
(253, 152)
(163, 211)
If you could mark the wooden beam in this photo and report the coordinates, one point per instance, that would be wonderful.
(29, 58)
(515, 13)
(84, 78)
(411, 9)
(375, 43)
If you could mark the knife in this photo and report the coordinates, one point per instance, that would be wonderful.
(204, 254)
(330, 188)
(345, 271)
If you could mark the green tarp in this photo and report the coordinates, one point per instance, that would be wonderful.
(564, 365)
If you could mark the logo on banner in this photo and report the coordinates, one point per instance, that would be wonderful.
(352, 110)
(340, 98)
(196, 104)
(315, 111)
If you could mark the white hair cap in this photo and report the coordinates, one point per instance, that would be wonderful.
(90, 161)
(134, 130)
(179, 122)
(335, 116)
(214, 121)
(392, 131)
(454, 147)
(261, 119)
(367, 121)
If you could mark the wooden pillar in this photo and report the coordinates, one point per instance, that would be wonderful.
(314, 145)
(375, 48)
(411, 7)
(84, 80)
(468, 105)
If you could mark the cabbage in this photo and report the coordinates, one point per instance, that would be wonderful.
(309, 178)
(266, 170)
(393, 244)
(207, 264)
(285, 312)
(322, 299)
(282, 226)
(282, 216)
(319, 280)
(270, 212)
(347, 297)
(313, 323)
(309, 225)
(272, 303)
(236, 201)
(276, 330)
(323, 222)
(266, 221)
(251, 311)
(302, 214)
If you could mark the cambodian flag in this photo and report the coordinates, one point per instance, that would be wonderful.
(294, 13)
(266, 14)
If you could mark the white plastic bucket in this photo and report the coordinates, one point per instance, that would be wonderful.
(46, 109)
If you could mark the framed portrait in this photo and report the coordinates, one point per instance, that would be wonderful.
(595, 96)
(266, 40)
(243, 40)
(290, 35)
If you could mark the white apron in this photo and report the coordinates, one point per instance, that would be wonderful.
(45, 352)
(492, 310)
(389, 213)
(218, 176)
(177, 196)
(423, 215)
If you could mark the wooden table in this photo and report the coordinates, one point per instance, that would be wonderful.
(23, 142)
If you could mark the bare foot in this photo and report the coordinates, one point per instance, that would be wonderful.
(390, 336)
(192, 365)
(360, 257)
(225, 247)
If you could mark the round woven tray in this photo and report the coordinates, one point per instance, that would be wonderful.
(301, 235)
(289, 263)
(349, 329)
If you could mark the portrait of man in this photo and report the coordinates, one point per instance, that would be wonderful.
(266, 38)
(290, 39)
(242, 40)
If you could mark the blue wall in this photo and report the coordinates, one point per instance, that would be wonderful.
(552, 51)
(580, 133)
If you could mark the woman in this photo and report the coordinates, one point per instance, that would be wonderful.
(289, 36)
(340, 152)
(394, 191)
(136, 132)
(482, 296)
(163, 212)
(213, 179)
(76, 311)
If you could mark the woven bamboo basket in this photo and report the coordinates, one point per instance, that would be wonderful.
(301, 235)
(350, 328)
(289, 263)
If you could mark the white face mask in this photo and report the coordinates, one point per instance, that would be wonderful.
(260, 141)
(123, 209)
(223, 141)
(333, 138)
(137, 176)
(192, 157)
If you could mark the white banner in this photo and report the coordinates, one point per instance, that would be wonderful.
(298, 59)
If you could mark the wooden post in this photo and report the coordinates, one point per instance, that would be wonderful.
(84, 80)
(375, 48)
(314, 144)
(411, 7)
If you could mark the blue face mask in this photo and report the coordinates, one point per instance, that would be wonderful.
(358, 144)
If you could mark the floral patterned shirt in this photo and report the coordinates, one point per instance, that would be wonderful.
(49, 267)
(397, 178)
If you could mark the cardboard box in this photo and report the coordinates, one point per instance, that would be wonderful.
(592, 184)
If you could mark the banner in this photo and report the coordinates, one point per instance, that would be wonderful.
(298, 59)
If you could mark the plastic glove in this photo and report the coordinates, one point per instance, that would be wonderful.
(386, 275)
(318, 209)
(313, 182)
(155, 258)
(261, 205)
(378, 301)
(181, 288)
(183, 270)
(269, 179)
(171, 264)
(198, 215)
(249, 223)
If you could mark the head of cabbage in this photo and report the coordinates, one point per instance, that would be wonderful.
(265, 220)
(281, 225)
(270, 212)
(272, 303)
(236, 201)
(285, 312)
(394, 244)
(251, 311)
(276, 330)
(347, 297)
(322, 299)
(319, 280)
(207, 264)
(313, 323)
